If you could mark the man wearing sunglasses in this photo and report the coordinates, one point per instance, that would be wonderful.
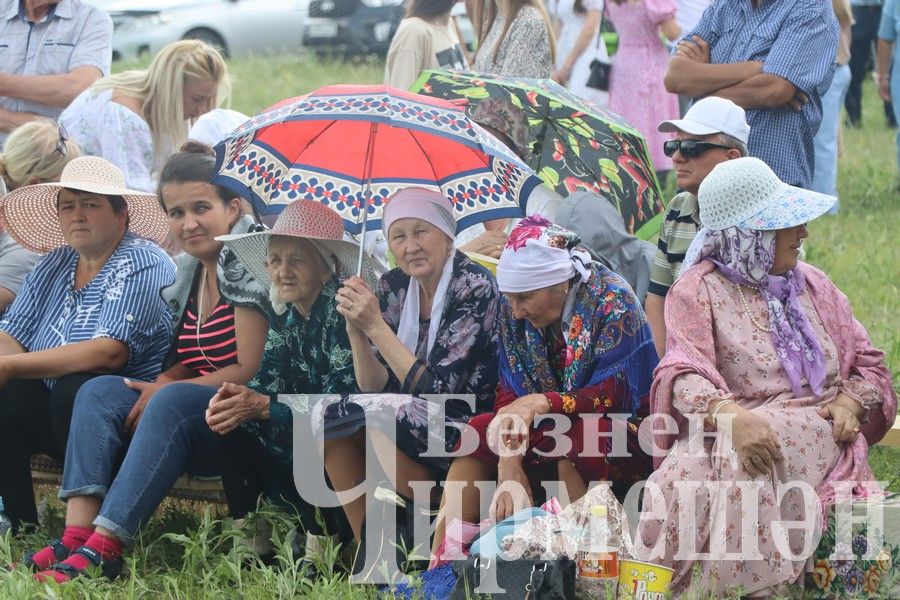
(712, 131)
(773, 58)
(50, 51)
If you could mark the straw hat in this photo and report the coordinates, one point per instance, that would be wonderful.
(29, 213)
(311, 221)
(746, 193)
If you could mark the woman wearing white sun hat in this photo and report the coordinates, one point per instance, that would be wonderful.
(769, 341)
(92, 305)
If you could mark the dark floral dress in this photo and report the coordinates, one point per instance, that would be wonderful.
(463, 361)
(301, 356)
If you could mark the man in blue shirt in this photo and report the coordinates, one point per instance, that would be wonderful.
(49, 53)
(774, 58)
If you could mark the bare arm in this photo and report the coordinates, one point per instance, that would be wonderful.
(6, 298)
(9, 345)
(371, 376)
(9, 119)
(760, 91)
(462, 42)
(883, 69)
(671, 29)
(654, 306)
(398, 357)
(691, 78)
(102, 355)
(585, 38)
(54, 90)
(365, 323)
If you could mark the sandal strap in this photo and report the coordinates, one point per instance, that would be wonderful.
(109, 568)
(60, 552)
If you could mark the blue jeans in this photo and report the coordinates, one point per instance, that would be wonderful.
(826, 140)
(172, 437)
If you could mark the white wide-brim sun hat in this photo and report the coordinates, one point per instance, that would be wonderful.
(307, 220)
(746, 193)
(29, 214)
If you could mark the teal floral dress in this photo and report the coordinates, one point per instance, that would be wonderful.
(301, 356)
(463, 361)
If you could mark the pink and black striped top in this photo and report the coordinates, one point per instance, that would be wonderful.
(216, 340)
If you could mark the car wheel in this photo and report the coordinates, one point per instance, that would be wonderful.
(210, 37)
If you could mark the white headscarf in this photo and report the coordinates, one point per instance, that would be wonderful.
(539, 254)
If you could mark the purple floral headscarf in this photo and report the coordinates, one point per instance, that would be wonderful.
(745, 257)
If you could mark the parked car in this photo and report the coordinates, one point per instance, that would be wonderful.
(352, 26)
(234, 26)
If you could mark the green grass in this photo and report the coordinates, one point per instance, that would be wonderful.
(187, 553)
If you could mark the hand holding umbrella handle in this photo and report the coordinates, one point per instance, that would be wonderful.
(359, 305)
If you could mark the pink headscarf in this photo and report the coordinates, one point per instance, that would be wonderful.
(420, 203)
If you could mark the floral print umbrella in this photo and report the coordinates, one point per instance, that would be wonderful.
(575, 145)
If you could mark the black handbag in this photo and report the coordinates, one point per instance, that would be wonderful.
(518, 579)
(600, 73)
(600, 70)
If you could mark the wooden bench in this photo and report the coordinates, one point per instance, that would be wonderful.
(892, 437)
(47, 471)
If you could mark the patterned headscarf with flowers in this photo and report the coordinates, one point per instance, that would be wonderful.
(607, 335)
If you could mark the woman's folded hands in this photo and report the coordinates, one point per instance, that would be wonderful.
(845, 413)
(754, 440)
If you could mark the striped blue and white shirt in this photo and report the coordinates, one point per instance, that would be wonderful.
(797, 41)
(121, 302)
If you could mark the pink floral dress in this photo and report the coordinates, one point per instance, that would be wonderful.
(745, 357)
(636, 89)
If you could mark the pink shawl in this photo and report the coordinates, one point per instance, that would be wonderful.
(690, 348)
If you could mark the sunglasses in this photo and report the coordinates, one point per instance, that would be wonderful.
(61, 139)
(689, 148)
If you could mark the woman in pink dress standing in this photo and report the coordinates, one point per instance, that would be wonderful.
(636, 89)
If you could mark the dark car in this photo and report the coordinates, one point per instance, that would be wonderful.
(352, 26)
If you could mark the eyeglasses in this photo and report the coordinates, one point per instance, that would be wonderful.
(689, 148)
(61, 141)
(61, 148)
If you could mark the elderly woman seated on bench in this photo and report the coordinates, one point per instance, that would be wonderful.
(218, 316)
(303, 259)
(771, 343)
(573, 341)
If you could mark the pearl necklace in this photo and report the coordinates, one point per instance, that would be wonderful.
(767, 329)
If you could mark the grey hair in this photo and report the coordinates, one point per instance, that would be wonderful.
(733, 142)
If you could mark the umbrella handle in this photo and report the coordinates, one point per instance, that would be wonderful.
(362, 247)
(367, 195)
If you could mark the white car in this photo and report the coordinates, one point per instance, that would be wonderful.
(236, 27)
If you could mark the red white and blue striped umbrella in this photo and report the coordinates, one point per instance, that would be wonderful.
(342, 144)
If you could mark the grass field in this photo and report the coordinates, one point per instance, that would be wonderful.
(186, 553)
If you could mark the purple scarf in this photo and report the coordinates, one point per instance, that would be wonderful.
(745, 257)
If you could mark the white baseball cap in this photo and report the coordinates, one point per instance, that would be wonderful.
(711, 115)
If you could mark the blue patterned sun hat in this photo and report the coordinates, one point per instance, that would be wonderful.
(746, 193)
